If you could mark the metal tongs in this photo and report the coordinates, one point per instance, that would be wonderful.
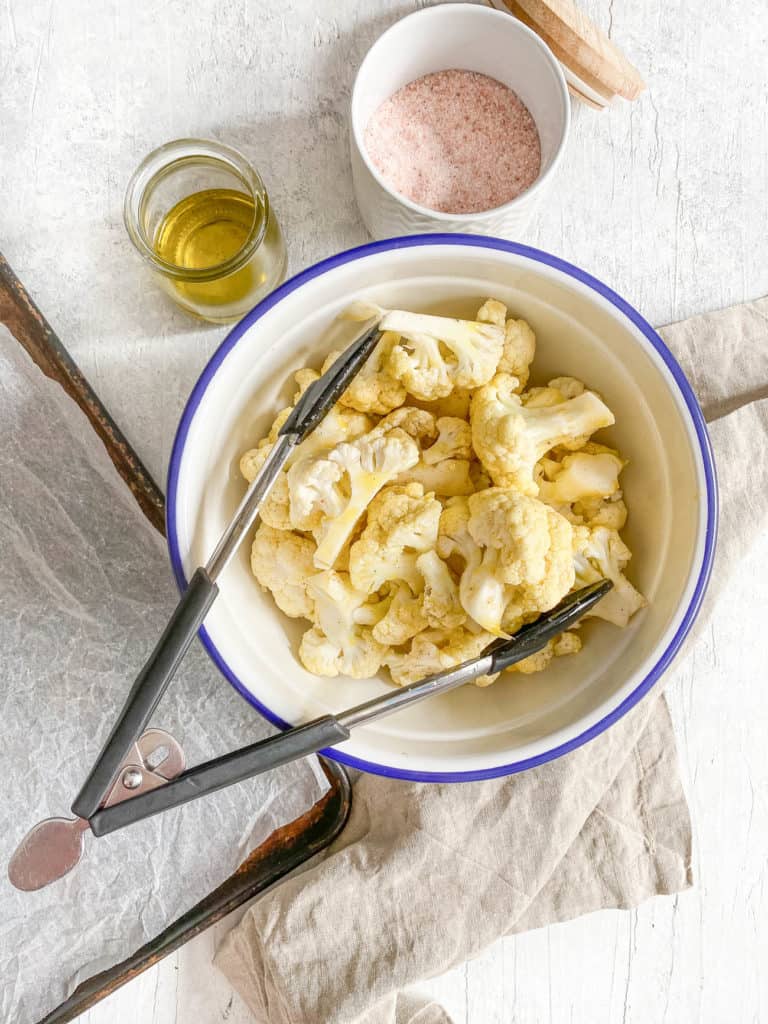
(125, 785)
(329, 730)
(152, 681)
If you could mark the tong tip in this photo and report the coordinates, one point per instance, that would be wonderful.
(536, 635)
(326, 390)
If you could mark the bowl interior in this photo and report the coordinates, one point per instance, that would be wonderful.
(580, 333)
(470, 38)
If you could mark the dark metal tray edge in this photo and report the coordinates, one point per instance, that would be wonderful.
(30, 328)
(289, 846)
(285, 850)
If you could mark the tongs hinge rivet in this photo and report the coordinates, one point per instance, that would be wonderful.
(132, 778)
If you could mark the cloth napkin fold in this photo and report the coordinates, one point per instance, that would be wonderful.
(426, 876)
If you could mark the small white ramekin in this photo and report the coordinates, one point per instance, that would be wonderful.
(472, 38)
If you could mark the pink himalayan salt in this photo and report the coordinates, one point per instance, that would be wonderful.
(455, 141)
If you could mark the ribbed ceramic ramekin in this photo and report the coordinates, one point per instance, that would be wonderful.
(472, 38)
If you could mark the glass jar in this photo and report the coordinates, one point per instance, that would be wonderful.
(200, 216)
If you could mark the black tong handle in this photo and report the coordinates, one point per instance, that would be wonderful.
(221, 772)
(147, 690)
(329, 730)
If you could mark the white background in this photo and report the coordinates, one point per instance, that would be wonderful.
(666, 200)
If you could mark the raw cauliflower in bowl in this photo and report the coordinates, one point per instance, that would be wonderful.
(441, 503)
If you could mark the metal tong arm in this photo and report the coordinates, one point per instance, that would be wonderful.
(146, 691)
(330, 730)
(324, 392)
(495, 658)
(161, 666)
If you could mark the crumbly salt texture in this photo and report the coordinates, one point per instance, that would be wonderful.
(455, 141)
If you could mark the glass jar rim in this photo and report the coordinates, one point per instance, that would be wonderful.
(178, 153)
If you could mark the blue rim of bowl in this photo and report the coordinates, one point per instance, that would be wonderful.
(538, 256)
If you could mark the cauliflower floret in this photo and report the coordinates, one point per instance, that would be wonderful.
(448, 479)
(492, 312)
(551, 464)
(559, 390)
(339, 424)
(436, 650)
(304, 377)
(337, 644)
(592, 470)
(434, 354)
(440, 601)
(531, 539)
(601, 553)
(527, 560)
(569, 387)
(374, 389)
(417, 423)
(274, 430)
(454, 441)
(529, 507)
(419, 365)
(404, 618)
(540, 398)
(456, 404)
(479, 476)
(566, 643)
(315, 493)
(592, 510)
(454, 541)
(252, 460)
(275, 509)
(581, 476)
(457, 546)
(374, 609)
(589, 448)
(402, 523)
(369, 464)
(328, 494)
(595, 512)
(444, 467)
(510, 437)
(318, 655)
(282, 563)
(519, 350)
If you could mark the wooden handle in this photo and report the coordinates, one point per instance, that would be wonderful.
(581, 47)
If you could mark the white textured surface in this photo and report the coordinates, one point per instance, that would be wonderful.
(665, 200)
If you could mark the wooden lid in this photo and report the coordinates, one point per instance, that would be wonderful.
(595, 69)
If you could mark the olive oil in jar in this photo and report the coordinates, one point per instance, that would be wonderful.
(206, 230)
(198, 213)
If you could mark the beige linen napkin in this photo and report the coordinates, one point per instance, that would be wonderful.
(426, 876)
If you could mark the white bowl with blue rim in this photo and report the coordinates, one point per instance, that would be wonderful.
(584, 330)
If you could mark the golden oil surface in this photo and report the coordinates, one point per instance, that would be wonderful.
(206, 229)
